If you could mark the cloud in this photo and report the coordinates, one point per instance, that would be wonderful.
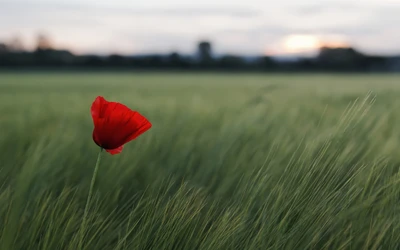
(271, 30)
(74, 8)
(323, 7)
(281, 30)
(185, 12)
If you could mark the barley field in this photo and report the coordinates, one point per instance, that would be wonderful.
(233, 161)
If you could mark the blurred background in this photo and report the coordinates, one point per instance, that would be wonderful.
(276, 124)
(258, 35)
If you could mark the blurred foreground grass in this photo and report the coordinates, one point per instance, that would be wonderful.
(232, 162)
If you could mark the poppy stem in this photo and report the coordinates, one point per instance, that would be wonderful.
(84, 220)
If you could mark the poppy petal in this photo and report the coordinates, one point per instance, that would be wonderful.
(96, 138)
(142, 125)
(115, 151)
(116, 126)
(97, 108)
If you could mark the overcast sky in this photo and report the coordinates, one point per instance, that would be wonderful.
(233, 26)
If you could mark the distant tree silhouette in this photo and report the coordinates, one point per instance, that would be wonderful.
(117, 60)
(175, 59)
(154, 61)
(205, 54)
(43, 42)
(46, 55)
(3, 48)
(16, 44)
(231, 62)
(340, 58)
(267, 63)
(393, 64)
(92, 61)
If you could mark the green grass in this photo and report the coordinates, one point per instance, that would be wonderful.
(231, 162)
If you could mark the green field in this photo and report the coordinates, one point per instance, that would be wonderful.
(231, 162)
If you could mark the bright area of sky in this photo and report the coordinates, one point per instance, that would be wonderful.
(246, 27)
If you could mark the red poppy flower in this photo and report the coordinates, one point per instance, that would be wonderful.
(115, 124)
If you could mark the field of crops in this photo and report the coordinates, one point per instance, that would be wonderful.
(231, 162)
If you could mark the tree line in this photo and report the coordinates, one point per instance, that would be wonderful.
(328, 59)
